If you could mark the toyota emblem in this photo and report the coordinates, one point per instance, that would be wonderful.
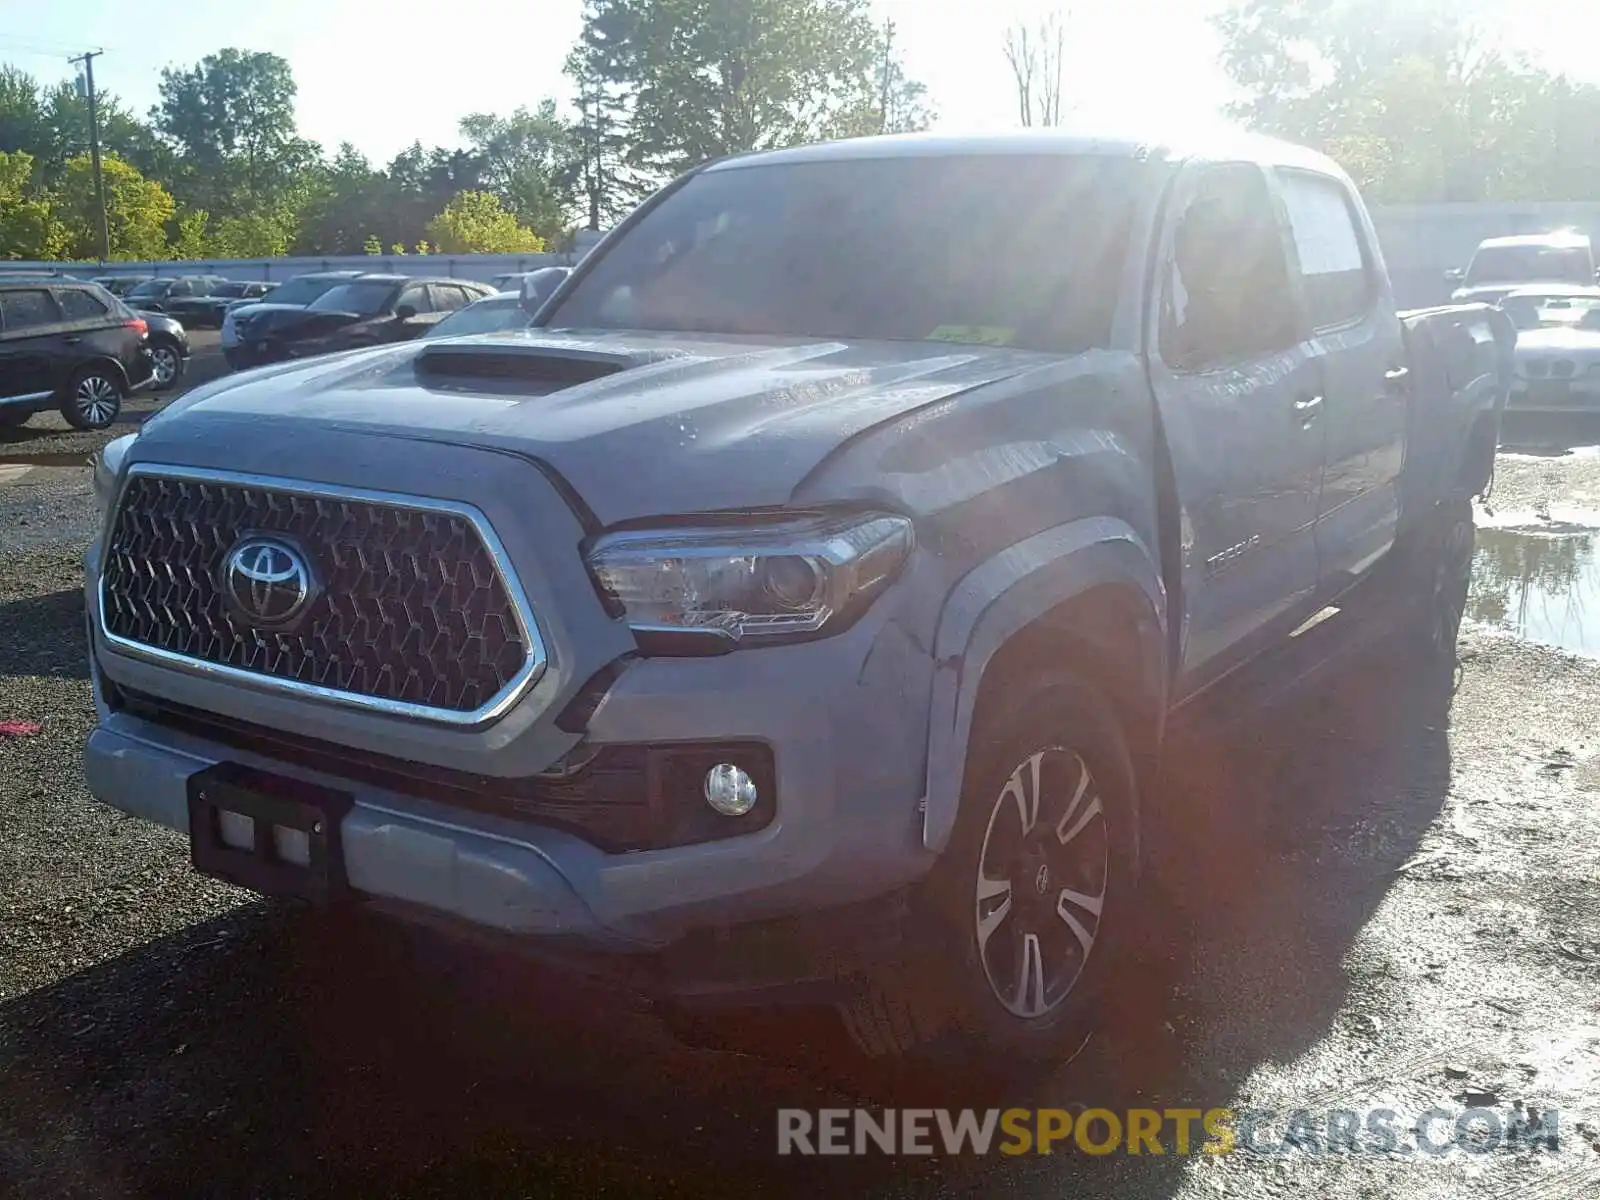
(267, 581)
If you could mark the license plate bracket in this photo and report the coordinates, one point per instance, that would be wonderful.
(271, 802)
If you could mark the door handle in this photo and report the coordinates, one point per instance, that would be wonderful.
(1308, 408)
(72, 341)
(1397, 379)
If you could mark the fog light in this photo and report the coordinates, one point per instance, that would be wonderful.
(730, 790)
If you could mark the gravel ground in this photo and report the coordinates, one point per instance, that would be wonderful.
(1389, 897)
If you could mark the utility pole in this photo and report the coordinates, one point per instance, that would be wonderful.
(888, 71)
(87, 59)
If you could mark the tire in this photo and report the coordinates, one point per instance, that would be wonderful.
(1019, 929)
(93, 399)
(1437, 561)
(167, 363)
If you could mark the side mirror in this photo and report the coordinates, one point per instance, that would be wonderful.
(1454, 275)
(405, 312)
(539, 286)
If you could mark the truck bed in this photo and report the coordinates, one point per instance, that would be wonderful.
(1460, 357)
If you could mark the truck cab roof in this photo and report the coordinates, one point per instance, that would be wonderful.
(1220, 144)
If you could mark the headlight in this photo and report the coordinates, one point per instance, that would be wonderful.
(107, 466)
(732, 583)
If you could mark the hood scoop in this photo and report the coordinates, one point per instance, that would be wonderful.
(542, 367)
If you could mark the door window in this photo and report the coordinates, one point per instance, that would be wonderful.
(182, 288)
(447, 298)
(1334, 271)
(79, 305)
(1227, 296)
(417, 297)
(22, 310)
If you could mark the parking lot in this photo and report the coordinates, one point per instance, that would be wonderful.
(1387, 895)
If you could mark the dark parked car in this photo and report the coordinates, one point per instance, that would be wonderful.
(121, 285)
(206, 311)
(71, 346)
(492, 314)
(168, 342)
(366, 311)
(157, 295)
(245, 325)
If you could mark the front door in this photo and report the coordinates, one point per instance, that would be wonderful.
(1239, 395)
(1358, 337)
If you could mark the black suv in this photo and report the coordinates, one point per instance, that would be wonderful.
(157, 294)
(68, 345)
(365, 311)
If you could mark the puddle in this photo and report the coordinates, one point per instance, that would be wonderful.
(1543, 585)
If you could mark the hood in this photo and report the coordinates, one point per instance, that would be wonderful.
(259, 310)
(639, 425)
(1493, 291)
(282, 321)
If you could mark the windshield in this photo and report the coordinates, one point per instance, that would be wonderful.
(915, 249)
(153, 287)
(302, 290)
(366, 297)
(1508, 264)
(1550, 311)
(486, 316)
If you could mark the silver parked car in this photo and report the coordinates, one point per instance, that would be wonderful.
(1558, 349)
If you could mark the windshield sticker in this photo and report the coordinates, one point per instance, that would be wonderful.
(982, 335)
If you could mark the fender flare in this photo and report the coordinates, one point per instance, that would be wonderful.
(999, 598)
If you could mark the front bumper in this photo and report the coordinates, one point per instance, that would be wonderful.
(845, 719)
(1546, 395)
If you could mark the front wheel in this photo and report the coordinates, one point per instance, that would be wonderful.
(93, 399)
(166, 365)
(1025, 909)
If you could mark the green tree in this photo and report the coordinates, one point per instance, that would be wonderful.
(475, 223)
(260, 235)
(137, 210)
(28, 226)
(531, 161)
(708, 78)
(231, 120)
(346, 203)
(191, 238)
(1409, 101)
(608, 185)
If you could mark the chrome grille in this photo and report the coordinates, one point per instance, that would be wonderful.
(418, 613)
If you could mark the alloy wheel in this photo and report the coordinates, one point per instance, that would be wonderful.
(164, 360)
(97, 400)
(1043, 871)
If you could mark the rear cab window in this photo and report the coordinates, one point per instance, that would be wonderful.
(25, 310)
(1334, 263)
(80, 305)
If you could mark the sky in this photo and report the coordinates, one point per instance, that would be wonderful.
(381, 75)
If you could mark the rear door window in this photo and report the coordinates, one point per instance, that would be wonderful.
(447, 297)
(26, 309)
(1335, 268)
(79, 305)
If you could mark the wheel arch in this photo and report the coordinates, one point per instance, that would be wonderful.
(1084, 598)
(104, 361)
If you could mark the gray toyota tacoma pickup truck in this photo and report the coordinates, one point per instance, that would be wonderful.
(800, 603)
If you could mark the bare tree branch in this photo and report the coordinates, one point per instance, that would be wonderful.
(1035, 54)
